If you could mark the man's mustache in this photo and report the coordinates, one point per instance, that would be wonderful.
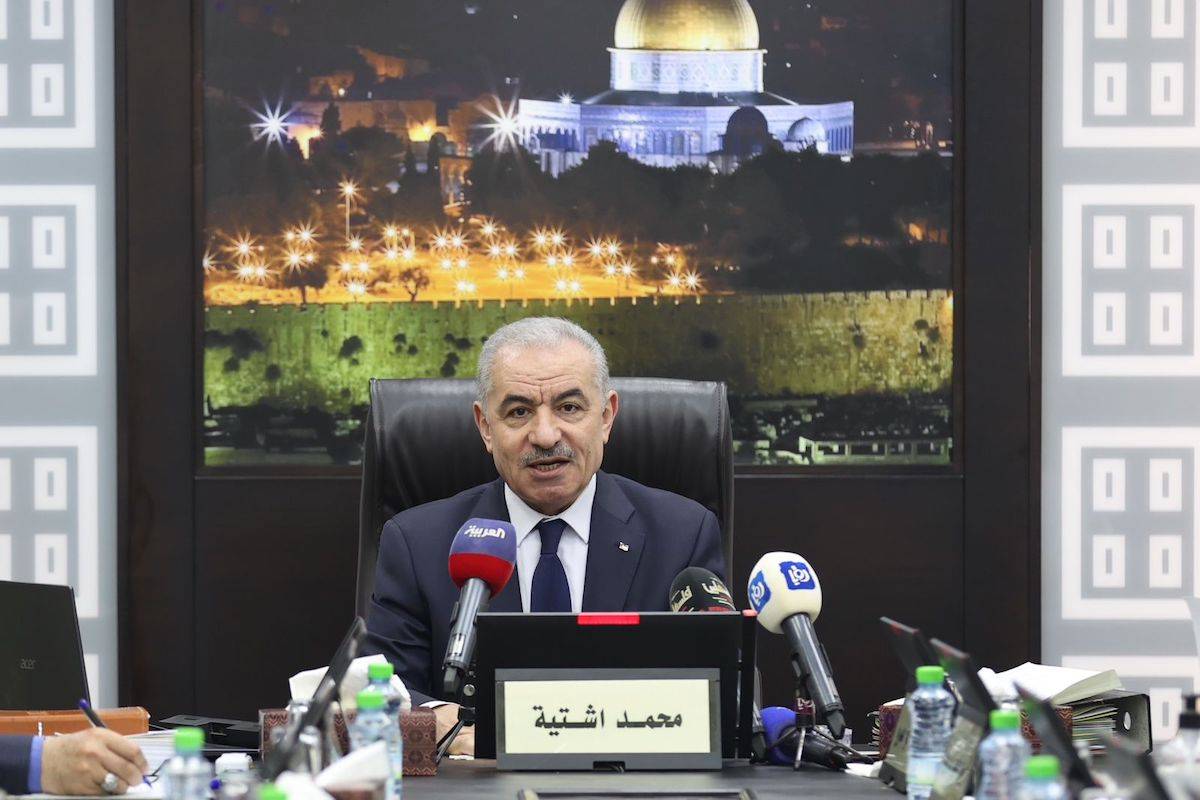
(538, 454)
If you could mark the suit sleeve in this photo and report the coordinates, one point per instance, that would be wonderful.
(398, 620)
(14, 763)
(708, 552)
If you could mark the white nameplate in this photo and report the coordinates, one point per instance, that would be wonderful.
(587, 713)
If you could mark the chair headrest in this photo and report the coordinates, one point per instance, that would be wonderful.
(422, 445)
(667, 435)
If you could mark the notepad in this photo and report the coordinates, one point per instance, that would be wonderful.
(156, 746)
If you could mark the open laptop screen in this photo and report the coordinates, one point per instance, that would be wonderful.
(41, 656)
(645, 640)
(911, 647)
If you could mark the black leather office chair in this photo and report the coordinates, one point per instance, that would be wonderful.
(421, 445)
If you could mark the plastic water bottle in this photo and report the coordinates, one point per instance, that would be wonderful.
(1002, 755)
(269, 791)
(1177, 760)
(380, 680)
(932, 721)
(372, 725)
(1182, 749)
(1042, 780)
(380, 676)
(188, 774)
(233, 777)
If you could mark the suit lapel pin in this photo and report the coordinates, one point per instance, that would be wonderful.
(624, 547)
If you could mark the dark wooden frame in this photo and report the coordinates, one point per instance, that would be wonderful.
(165, 626)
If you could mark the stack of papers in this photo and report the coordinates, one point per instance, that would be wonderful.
(157, 747)
(1079, 688)
(1089, 720)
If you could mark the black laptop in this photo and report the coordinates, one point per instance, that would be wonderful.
(647, 640)
(911, 647)
(326, 693)
(41, 655)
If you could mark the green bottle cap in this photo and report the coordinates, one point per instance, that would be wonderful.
(189, 740)
(269, 791)
(369, 700)
(930, 675)
(1005, 719)
(1041, 767)
(380, 672)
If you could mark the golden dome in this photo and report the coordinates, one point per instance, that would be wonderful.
(687, 25)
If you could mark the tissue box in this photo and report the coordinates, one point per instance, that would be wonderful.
(418, 728)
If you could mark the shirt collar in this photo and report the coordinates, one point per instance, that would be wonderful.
(578, 516)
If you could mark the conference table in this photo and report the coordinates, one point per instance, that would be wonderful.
(474, 779)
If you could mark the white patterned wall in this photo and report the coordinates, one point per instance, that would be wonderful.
(1121, 342)
(57, 327)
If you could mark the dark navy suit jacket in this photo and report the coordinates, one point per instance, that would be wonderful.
(14, 764)
(409, 618)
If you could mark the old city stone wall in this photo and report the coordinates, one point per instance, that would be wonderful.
(815, 344)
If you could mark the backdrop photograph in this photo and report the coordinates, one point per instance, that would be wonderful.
(753, 191)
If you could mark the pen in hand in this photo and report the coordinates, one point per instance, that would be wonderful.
(94, 718)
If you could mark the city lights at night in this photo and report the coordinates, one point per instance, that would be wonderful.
(504, 125)
(558, 270)
(765, 187)
(272, 124)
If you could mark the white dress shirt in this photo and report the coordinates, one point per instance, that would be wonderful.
(572, 547)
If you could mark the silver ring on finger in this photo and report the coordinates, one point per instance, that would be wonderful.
(110, 783)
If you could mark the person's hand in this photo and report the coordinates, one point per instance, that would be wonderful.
(77, 763)
(447, 717)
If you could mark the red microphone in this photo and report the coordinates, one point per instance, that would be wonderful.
(482, 558)
(485, 549)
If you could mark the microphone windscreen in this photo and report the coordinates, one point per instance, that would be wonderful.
(484, 549)
(776, 721)
(783, 584)
(697, 589)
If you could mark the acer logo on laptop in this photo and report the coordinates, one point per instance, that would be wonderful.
(41, 655)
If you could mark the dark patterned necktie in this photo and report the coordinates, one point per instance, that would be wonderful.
(550, 591)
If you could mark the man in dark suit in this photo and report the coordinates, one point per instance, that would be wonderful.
(586, 540)
(89, 762)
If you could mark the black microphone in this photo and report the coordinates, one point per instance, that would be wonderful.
(697, 589)
(482, 558)
(758, 730)
(785, 592)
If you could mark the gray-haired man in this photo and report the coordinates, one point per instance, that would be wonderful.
(586, 540)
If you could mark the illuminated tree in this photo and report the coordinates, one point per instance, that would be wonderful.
(373, 151)
(433, 160)
(304, 279)
(414, 280)
(510, 186)
(331, 123)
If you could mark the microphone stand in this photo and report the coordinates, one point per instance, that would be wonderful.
(826, 751)
(465, 693)
(805, 722)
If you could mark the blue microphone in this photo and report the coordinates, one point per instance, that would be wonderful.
(781, 747)
(780, 726)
